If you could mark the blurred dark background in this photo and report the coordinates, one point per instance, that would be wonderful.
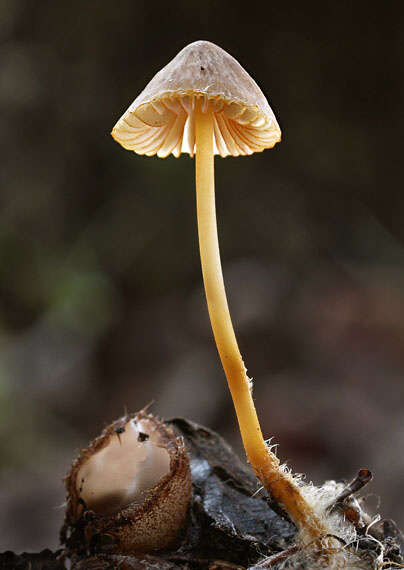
(101, 299)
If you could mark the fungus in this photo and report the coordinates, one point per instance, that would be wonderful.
(204, 103)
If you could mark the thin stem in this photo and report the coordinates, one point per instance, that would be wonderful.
(279, 483)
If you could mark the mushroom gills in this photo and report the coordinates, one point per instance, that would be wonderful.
(167, 126)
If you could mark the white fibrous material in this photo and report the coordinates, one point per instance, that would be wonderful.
(339, 559)
(335, 550)
(321, 499)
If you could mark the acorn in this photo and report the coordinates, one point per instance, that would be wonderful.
(129, 491)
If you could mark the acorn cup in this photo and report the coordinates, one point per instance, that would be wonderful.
(129, 491)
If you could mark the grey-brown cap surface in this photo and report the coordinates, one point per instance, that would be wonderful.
(161, 119)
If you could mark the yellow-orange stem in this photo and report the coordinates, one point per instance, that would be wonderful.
(265, 464)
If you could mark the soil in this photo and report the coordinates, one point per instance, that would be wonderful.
(231, 525)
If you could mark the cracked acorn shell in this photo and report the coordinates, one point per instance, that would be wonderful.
(129, 491)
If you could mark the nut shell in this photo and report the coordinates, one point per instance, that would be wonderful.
(140, 527)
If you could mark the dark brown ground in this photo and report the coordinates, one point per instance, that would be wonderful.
(229, 525)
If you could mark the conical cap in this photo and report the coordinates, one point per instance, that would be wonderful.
(161, 119)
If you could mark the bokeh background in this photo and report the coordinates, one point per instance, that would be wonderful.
(101, 299)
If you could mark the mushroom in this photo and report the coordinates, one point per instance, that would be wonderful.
(204, 103)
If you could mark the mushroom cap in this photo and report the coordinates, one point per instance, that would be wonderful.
(161, 120)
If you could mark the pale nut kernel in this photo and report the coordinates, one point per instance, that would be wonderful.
(129, 491)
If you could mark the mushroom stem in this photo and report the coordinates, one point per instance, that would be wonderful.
(281, 485)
